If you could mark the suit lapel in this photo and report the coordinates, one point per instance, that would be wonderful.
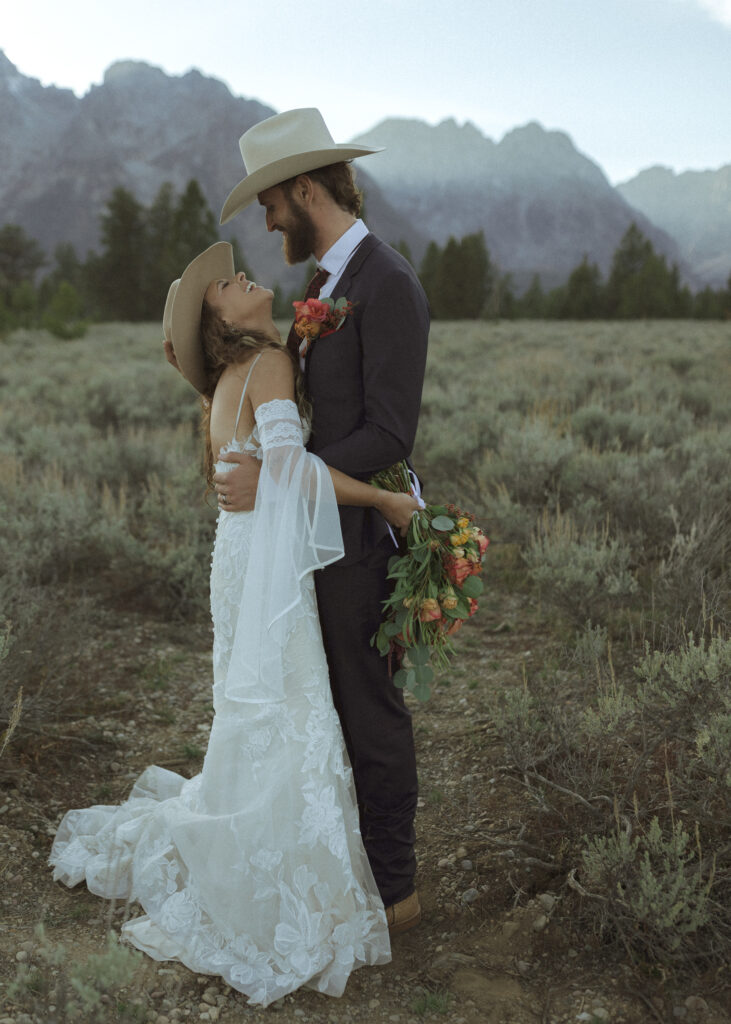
(352, 268)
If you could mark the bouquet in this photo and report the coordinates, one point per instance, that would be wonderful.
(316, 318)
(437, 586)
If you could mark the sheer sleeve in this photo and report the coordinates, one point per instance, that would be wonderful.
(296, 530)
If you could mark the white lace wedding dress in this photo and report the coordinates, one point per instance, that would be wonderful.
(254, 870)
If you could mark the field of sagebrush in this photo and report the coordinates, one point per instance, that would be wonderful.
(595, 761)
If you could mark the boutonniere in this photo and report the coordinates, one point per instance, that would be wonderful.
(316, 318)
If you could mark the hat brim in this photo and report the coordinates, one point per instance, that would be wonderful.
(184, 319)
(288, 167)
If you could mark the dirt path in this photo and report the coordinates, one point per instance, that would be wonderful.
(494, 947)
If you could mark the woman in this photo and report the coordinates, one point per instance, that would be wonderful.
(253, 870)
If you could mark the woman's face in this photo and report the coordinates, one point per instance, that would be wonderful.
(240, 302)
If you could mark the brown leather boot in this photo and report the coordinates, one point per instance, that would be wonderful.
(404, 915)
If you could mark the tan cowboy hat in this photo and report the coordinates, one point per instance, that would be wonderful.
(282, 147)
(182, 317)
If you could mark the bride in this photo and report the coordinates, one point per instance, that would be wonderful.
(254, 870)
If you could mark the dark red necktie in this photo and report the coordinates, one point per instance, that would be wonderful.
(312, 292)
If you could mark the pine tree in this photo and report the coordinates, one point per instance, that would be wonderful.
(194, 226)
(583, 297)
(20, 259)
(429, 271)
(117, 275)
(532, 302)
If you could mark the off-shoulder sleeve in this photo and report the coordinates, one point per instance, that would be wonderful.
(296, 530)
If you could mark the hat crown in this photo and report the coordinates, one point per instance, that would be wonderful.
(284, 135)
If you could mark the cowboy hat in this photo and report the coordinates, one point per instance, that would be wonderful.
(182, 317)
(282, 147)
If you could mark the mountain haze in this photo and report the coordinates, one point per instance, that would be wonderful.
(541, 204)
(693, 207)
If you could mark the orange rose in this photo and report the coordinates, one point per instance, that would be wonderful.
(430, 610)
(313, 309)
(457, 569)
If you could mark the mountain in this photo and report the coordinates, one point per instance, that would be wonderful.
(138, 129)
(541, 204)
(693, 207)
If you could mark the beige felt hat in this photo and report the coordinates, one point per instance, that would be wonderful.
(282, 147)
(182, 317)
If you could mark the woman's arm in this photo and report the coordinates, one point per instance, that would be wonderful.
(273, 379)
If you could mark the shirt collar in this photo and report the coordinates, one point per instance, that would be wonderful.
(337, 255)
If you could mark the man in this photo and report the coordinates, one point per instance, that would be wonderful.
(364, 382)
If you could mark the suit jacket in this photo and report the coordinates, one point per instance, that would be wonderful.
(365, 380)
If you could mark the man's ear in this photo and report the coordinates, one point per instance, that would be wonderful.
(304, 189)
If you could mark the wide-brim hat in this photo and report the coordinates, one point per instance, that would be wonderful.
(181, 320)
(282, 147)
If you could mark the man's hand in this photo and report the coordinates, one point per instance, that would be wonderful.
(170, 353)
(397, 509)
(236, 488)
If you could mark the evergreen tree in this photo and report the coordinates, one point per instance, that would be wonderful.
(66, 267)
(194, 226)
(640, 283)
(447, 288)
(532, 303)
(161, 257)
(240, 260)
(405, 249)
(117, 275)
(429, 271)
(20, 258)
(583, 298)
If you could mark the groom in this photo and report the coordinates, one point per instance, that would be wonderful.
(364, 382)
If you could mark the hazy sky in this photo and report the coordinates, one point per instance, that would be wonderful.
(633, 82)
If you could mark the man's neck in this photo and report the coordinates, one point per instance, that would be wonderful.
(330, 230)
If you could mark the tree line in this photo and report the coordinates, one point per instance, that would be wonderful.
(142, 249)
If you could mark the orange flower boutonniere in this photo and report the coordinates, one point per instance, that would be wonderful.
(316, 318)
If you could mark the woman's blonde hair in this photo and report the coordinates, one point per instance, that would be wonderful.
(225, 345)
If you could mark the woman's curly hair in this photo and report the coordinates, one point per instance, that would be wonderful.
(225, 345)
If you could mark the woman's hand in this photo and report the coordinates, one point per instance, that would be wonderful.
(397, 509)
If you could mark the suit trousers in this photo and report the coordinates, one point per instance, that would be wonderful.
(376, 723)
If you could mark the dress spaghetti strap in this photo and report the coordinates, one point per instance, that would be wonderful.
(241, 402)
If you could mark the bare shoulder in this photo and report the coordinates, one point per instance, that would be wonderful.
(273, 377)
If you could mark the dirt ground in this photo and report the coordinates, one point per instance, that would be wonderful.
(495, 946)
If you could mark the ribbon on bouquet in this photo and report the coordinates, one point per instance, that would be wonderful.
(416, 492)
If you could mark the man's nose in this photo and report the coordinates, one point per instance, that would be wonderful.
(241, 276)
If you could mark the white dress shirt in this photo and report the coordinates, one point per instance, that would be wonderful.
(334, 261)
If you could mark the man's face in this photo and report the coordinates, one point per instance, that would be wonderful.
(285, 214)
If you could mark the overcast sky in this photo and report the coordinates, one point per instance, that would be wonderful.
(633, 82)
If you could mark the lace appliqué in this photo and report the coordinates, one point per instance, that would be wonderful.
(216, 862)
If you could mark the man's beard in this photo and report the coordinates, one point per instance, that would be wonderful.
(299, 239)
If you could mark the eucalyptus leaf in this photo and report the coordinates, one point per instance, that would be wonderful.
(391, 628)
(472, 587)
(424, 674)
(400, 678)
(383, 643)
(393, 562)
(422, 692)
(442, 523)
(419, 655)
